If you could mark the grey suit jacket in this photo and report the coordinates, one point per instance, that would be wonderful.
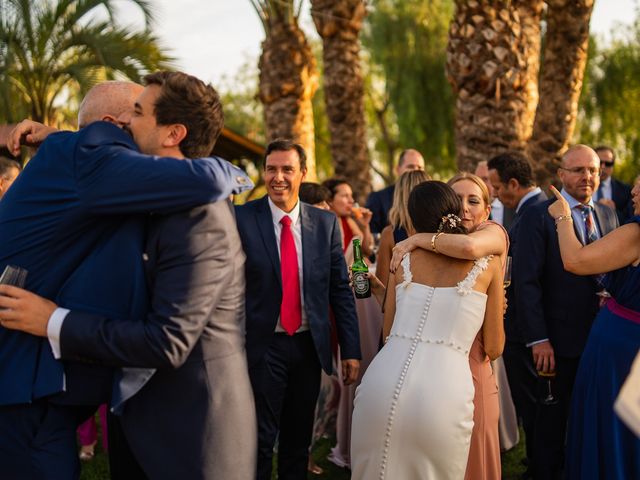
(196, 413)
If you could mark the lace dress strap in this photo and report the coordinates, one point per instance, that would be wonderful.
(465, 286)
(406, 269)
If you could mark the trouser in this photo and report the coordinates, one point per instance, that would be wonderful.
(286, 383)
(522, 377)
(551, 421)
(38, 440)
(122, 463)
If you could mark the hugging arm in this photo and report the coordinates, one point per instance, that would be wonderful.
(493, 326)
(489, 239)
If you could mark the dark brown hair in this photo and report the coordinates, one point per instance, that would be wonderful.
(333, 183)
(187, 100)
(513, 165)
(429, 202)
(314, 193)
(285, 145)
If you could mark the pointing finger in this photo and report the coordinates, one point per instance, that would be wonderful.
(555, 191)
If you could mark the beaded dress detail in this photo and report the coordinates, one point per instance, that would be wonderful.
(413, 412)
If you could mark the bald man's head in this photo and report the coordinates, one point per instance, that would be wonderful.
(108, 101)
(580, 172)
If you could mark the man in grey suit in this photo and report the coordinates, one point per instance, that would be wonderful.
(190, 411)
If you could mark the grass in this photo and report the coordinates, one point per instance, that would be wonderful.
(512, 468)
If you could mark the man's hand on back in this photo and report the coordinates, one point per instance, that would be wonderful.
(28, 133)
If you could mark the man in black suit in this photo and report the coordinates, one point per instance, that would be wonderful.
(380, 202)
(612, 192)
(555, 308)
(511, 177)
(295, 272)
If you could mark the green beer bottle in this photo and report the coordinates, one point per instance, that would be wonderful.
(359, 269)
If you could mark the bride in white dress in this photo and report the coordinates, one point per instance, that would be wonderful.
(413, 412)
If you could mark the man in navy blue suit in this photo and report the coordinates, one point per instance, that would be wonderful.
(611, 192)
(380, 202)
(296, 275)
(555, 308)
(75, 219)
(512, 179)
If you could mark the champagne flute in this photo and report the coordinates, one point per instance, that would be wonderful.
(13, 275)
(547, 398)
(507, 273)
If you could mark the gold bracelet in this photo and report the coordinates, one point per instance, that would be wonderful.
(433, 242)
(562, 218)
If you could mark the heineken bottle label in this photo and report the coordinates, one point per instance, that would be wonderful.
(360, 283)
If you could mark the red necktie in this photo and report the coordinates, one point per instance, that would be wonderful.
(291, 307)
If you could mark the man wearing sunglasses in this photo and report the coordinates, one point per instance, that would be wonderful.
(612, 192)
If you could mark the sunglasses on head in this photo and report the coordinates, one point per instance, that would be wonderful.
(606, 164)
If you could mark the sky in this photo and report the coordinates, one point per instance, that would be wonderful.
(212, 39)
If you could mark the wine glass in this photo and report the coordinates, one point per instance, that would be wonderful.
(548, 398)
(13, 275)
(507, 273)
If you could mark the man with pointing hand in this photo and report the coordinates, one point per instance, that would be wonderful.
(556, 308)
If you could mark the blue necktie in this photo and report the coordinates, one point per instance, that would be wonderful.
(591, 232)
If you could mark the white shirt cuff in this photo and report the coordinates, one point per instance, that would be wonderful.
(537, 342)
(54, 327)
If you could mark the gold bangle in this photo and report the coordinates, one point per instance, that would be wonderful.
(433, 242)
(562, 218)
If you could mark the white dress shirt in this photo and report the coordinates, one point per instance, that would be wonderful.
(296, 230)
(527, 196)
(497, 211)
(604, 190)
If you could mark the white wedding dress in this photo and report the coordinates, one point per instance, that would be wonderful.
(413, 411)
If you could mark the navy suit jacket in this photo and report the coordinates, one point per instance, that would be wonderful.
(621, 196)
(325, 281)
(380, 203)
(74, 219)
(551, 302)
(512, 332)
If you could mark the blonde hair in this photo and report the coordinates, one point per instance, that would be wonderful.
(475, 179)
(399, 214)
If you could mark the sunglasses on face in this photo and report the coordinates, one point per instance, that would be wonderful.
(606, 164)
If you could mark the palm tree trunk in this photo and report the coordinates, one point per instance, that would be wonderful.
(288, 81)
(565, 57)
(339, 23)
(492, 65)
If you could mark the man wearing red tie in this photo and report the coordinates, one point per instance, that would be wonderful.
(295, 272)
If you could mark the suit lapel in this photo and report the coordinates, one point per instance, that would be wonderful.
(602, 219)
(264, 221)
(308, 244)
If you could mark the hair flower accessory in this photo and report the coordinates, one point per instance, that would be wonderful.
(451, 220)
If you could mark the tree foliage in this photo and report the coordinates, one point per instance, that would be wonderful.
(610, 102)
(408, 39)
(51, 51)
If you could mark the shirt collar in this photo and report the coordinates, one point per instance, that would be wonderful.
(606, 183)
(527, 196)
(277, 213)
(573, 202)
